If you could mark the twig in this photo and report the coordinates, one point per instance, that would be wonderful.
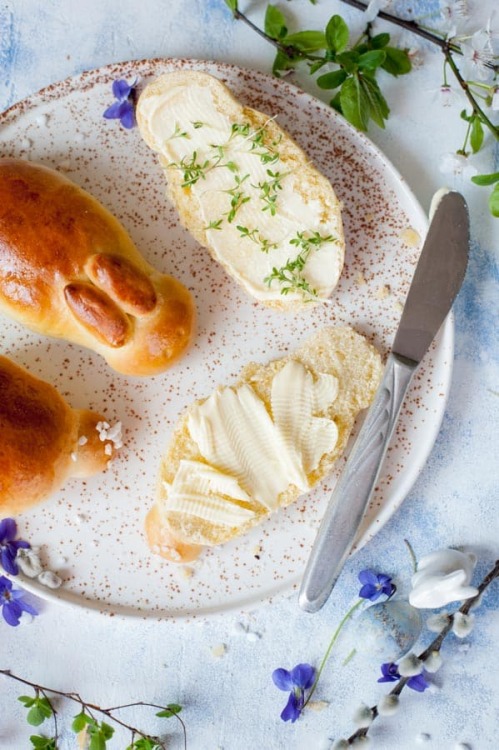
(105, 711)
(415, 28)
(435, 645)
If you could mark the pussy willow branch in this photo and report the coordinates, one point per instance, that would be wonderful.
(105, 711)
(435, 645)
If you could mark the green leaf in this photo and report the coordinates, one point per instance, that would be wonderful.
(170, 710)
(97, 742)
(372, 60)
(282, 62)
(317, 65)
(331, 80)
(42, 743)
(275, 23)
(380, 40)
(335, 103)
(26, 700)
(348, 60)
(337, 34)
(80, 721)
(494, 202)
(485, 179)
(107, 731)
(306, 41)
(397, 61)
(378, 107)
(355, 105)
(476, 135)
(232, 4)
(35, 716)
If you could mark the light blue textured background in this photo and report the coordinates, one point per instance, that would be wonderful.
(230, 702)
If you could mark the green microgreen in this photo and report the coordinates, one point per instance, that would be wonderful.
(255, 236)
(178, 133)
(290, 275)
(238, 197)
(215, 224)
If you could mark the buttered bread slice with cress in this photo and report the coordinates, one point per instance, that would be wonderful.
(244, 189)
(256, 446)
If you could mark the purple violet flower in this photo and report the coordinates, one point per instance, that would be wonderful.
(9, 545)
(300, 678)
(12, 604)
(123, 109)
(390, 673)
(375, 584)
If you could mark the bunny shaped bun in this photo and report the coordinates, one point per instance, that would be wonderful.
(69, 269)
(44, 441)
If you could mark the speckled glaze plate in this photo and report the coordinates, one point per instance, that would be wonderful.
(91, 532)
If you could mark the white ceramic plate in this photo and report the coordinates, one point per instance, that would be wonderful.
(92, 531)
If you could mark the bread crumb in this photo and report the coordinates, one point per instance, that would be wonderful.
(187, 571)
(398, 306)
(318, 705)
(383, 292)
(410, 237)
(360, 279)
(219, 650)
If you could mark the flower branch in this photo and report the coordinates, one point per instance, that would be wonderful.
(98, 733)
(433, 648)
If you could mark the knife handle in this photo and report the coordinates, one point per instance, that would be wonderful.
(355, 486)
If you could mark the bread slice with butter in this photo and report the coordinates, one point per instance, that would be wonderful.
(256, 446)
(244, 189)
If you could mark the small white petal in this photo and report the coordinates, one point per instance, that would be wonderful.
(433, 662)
(388, 705)
(410, 666)
(29, 562)
(50, 579)
(463, 624)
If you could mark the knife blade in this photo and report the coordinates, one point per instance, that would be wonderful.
(438, 277)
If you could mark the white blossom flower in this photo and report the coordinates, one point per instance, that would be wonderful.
(373, 9)
(410, 666)
(463, 624)
(363, 716)
(478, 55)
(388, 705)
(442, 577)
(433, 662)
(458, 165)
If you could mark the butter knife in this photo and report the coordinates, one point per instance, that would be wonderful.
(436, 282)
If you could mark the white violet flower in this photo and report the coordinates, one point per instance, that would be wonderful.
(433, 662)
(442, 577)
(410, 666)
(462, 624)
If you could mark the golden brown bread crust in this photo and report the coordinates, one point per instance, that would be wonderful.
(69, 269)
(338, 351)
(43, 441)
